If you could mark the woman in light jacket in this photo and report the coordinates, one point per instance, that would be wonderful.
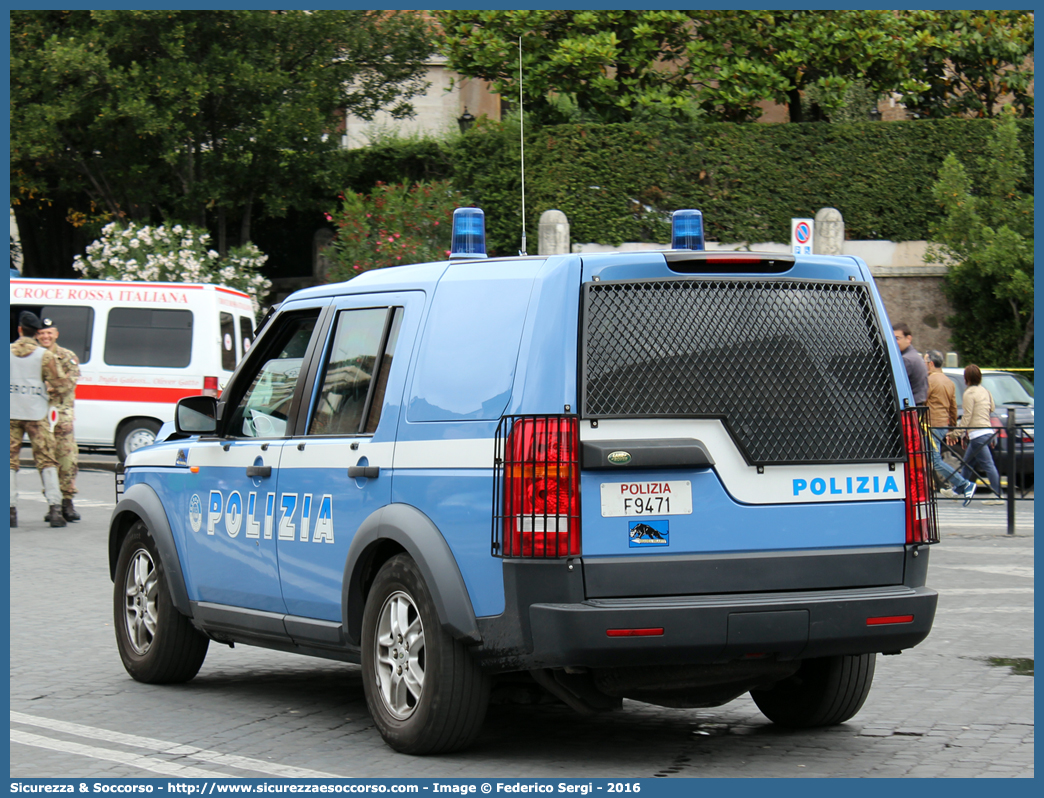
(975, 420)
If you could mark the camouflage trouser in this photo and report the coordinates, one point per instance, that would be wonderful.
(41, 439)
(68, 456)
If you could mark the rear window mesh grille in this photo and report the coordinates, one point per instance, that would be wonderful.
(798, 370)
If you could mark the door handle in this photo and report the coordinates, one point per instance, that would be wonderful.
(259, 471)
(364, 472)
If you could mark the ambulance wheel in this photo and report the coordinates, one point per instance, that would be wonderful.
(134, 434)
(823, 692)
(424, 690)
(158, 645)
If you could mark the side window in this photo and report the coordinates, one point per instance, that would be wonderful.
(264, 409)
(147, 337)
(75, 325)
(348, 374)
(228, 342)
(246, 333)
(374, 416)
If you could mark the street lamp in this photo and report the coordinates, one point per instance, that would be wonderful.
(465, 121)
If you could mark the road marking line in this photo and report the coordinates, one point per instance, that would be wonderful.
(108, 754)
(174, 749)
(982, 591)
(1021, 551)
(984, 527)
(982, 610)
(1019, 571)
(999, 523)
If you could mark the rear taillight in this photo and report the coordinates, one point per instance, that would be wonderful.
(210, 386)
(998, 428)
(921, 522)
(539, 473)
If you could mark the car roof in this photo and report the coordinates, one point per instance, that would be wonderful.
(960, 371)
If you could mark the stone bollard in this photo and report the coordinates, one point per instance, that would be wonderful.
(830, 232)
(553, 236)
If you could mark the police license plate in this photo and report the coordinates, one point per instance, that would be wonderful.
(646, 498)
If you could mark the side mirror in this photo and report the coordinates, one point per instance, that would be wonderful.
(196, 415)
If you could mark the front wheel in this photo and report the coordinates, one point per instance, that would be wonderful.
(158, 645)
(823, 692)
(424, 690)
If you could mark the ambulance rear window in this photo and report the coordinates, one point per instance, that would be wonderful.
(246, 332)
(75, 326)
(150, 338)
(228, 342)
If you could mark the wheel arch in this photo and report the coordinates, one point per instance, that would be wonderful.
(141, 503)
(400, 528)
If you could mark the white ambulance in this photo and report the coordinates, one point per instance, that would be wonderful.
(142, 347)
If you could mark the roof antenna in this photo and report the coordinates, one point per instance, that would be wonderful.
(522, 142)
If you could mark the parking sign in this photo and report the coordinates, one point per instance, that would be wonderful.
(801, 232)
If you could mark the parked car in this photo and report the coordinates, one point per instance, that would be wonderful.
(1012, 393)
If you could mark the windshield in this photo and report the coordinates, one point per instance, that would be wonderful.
(1009, 389)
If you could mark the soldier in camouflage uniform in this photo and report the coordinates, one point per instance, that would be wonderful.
(37, 378)
(65, 450)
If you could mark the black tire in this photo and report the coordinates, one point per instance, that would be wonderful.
(158, 645)
(823, 692)
(132, 434)
(446, 712)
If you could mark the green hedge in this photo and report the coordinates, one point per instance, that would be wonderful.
(617, 182)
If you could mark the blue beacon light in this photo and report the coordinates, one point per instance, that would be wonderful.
(687, 230)
(469, 233)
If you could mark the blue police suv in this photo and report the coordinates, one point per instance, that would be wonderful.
(672, 476)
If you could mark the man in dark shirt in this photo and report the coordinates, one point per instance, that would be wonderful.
(916, 370)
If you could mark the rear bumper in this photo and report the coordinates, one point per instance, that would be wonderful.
(714, 629)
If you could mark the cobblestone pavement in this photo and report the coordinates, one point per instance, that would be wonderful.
(937, 710)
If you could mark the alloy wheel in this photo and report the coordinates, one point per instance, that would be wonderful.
(399, 654)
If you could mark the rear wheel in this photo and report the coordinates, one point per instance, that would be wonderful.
(158, 645)
(424, 691)
(134, 434)
(823, 692)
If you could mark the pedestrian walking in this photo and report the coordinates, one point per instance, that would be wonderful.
(65, 450)
(942, 414)
(975, 421)
(36, 379)
(914, 362)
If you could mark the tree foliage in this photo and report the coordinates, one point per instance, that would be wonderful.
(611, 64)
(778, 55)
(391, 226)
(986, 236)
(197, 115)
(981, 67)
(172, 254)
(627, 65)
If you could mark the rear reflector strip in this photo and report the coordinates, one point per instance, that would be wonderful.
(888, 619)
(653, 632)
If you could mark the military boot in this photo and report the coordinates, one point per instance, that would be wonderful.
(14, 498)
(68, 511)
(54, 516)
(53, 494)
